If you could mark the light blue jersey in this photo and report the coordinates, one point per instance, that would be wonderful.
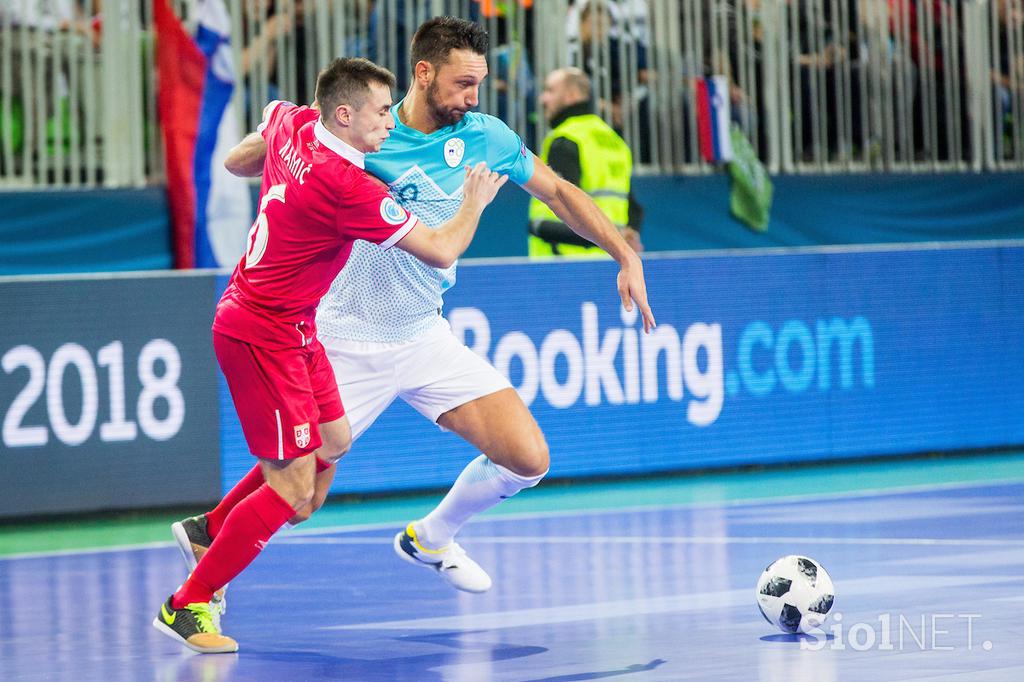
(391, 296)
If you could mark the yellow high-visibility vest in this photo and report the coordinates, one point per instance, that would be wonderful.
(606, 165)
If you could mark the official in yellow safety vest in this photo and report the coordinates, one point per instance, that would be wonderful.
(587, 152)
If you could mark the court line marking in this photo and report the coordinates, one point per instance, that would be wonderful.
(682, 540)
(678, 603)
(696, 504)
(751, 502)
(557, 513)
(89, 550)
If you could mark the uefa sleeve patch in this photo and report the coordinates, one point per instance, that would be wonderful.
(391, 212)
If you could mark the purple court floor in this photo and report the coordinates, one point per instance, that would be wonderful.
(929, 586)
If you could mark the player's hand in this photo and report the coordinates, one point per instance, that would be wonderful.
(632, 287)
(481, 185)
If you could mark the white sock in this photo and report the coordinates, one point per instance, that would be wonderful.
(480, 486)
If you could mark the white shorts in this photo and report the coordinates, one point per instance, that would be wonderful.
(434, 374)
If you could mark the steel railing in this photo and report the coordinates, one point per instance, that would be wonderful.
(830, 86)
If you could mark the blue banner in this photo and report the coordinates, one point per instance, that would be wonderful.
(108, 393)
(115, 230)
(65, 231)
(757, 359)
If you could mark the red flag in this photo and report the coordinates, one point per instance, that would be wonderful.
(181, 68)
(705, 143)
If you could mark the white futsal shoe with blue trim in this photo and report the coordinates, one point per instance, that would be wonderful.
(450, 562)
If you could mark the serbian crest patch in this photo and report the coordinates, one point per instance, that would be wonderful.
(302, 435)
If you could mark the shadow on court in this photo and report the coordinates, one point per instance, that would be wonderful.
(628, 670)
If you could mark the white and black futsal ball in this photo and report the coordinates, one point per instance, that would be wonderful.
(795, 594)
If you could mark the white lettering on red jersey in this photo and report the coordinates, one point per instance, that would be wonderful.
(315, 200)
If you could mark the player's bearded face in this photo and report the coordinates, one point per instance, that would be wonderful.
(442, 115)
(455, 87)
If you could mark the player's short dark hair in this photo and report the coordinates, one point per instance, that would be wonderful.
(347, 81)
(437, 37)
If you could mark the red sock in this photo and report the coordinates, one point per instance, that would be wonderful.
(247, 529)
(249, 483)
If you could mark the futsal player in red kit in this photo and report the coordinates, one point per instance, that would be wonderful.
(315, 200)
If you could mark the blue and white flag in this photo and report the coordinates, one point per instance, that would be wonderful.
(223, 201)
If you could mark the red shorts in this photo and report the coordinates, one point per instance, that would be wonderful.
(280, 395)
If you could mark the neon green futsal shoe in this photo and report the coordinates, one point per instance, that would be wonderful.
(192, 625)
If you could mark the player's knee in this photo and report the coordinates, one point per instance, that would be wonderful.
(334, 446)
(294, 482)
(533, 459)
(319, 496)
(304, 500)
(297, 495)
(307, 510)
(539, 462)
(540, 456)
(301, 494)
(302, 515)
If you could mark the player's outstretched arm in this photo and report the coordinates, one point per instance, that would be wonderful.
(441, 247)
(246, 158)
(577, 210)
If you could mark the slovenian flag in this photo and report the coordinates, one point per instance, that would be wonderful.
(210, 208)
(713, 119)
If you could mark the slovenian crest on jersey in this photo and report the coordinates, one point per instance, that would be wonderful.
(454, 150)
(391, 296)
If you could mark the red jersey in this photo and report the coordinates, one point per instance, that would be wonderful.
(316, 199)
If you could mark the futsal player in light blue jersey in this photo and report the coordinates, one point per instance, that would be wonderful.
(381, 321)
